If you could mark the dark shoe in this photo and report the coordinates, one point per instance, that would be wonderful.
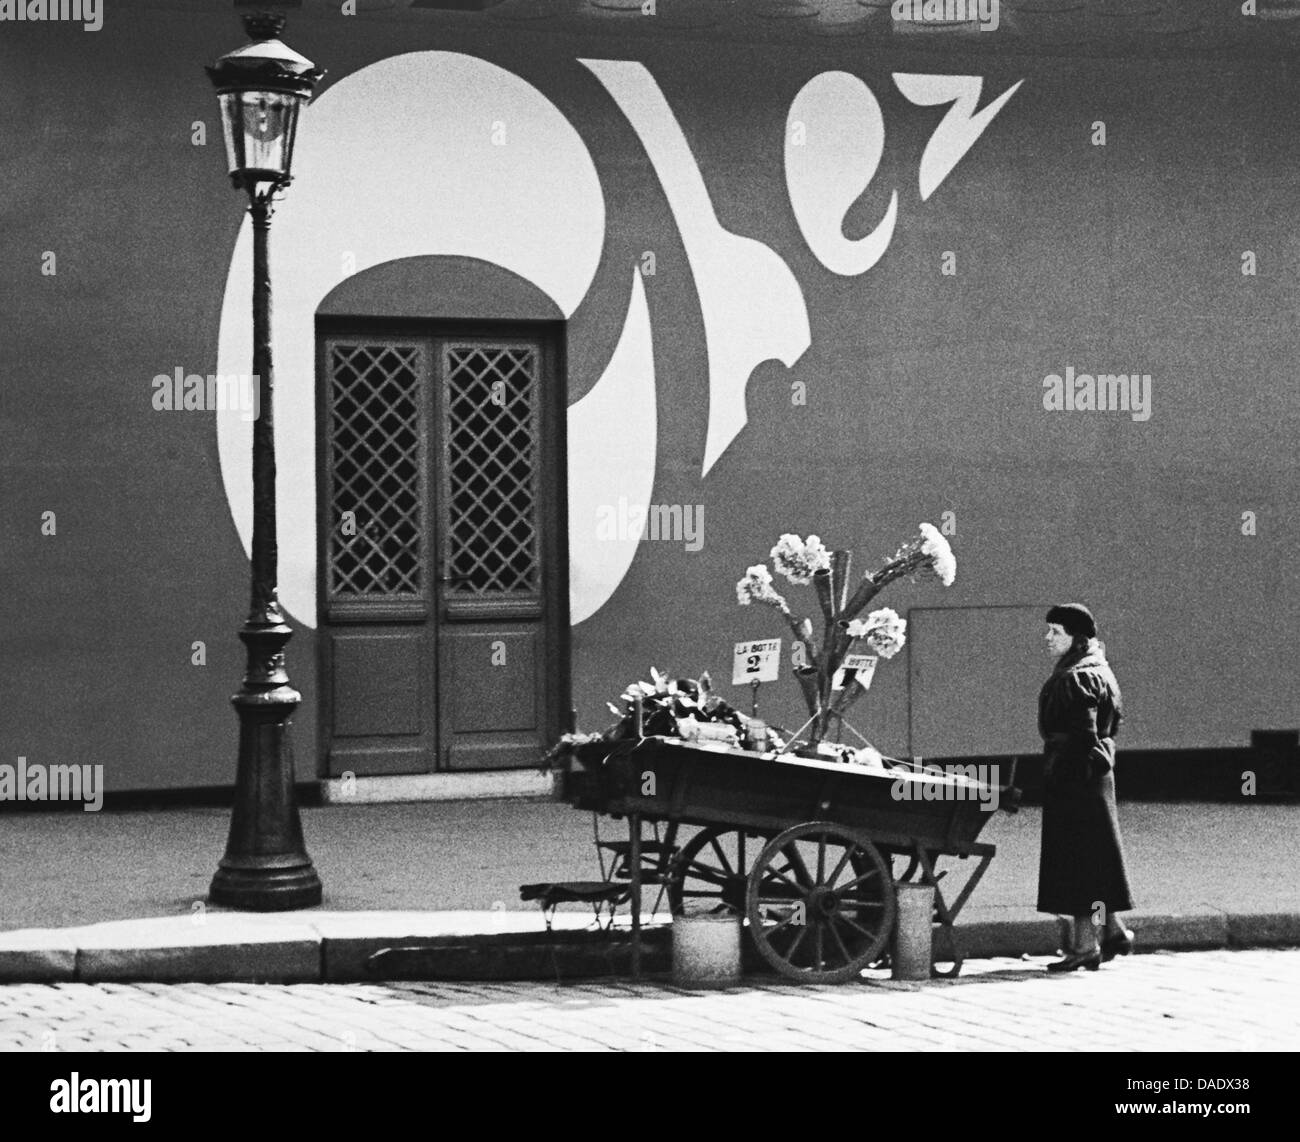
(1090, 960)
(1116, 945)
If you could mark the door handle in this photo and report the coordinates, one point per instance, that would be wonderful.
(453, 578)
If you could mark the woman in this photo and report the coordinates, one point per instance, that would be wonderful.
(1081, 871)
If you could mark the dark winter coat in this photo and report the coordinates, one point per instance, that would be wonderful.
(1082, 860)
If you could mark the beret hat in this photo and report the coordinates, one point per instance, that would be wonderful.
(1074, 619)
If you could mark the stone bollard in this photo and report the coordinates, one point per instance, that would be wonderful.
(912, 953)
(706, 950)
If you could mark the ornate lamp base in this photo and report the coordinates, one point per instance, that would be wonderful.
(266, 867)
(261, 887)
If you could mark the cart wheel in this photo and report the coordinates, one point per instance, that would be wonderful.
(712, 867)
(820, 903)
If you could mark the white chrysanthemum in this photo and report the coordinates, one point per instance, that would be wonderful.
(785, 556)
(886, 617)
(885, 646)
(797, 560)
(942, 559)
(819, 558)
(886, 632)
(883, 629)
(756, 587)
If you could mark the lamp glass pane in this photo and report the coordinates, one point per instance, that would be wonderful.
(259, 127)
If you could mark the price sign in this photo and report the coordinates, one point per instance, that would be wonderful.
(864, 664)
(756, 662)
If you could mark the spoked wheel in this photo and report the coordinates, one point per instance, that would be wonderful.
(820, 903)
(712, 868)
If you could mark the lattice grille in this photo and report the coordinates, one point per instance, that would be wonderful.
(491, 411)
(376, 464)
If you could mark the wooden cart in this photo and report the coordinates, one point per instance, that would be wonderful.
(807, 851)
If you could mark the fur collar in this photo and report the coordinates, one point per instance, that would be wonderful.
(1091, 655)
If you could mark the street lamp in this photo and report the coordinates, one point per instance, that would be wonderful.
(261, 88)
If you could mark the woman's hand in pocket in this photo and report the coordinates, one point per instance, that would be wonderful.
(1099, 762)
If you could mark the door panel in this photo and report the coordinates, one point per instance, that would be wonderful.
(377, 459)
(492, 613)
(490, 477)
(376, 683)
(496, 680)
(442, 570)
(378, 703)
(381, 713)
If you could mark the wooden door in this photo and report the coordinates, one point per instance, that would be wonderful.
(444, 571)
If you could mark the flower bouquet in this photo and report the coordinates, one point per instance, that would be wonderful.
(683, 708)
(807, 561)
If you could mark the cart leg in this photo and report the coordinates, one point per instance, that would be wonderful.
(634, 859)
(948, 916)
(973, 880)
(668, 841)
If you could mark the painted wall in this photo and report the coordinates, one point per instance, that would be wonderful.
(797, 361)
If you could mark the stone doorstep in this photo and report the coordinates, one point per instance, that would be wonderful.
(528, 784)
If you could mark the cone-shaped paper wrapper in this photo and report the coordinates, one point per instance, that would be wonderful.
(867, 590)
(822, 585)
(840, 646)
(807, 678)
(840, 563)
(850, 694)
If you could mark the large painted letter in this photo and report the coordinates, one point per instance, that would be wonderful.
(830, 163)
(959, 129)
(752, 306)
(415, 132)
(613, 463)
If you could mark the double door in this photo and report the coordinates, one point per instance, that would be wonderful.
(443, 571)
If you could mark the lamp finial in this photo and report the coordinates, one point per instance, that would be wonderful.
(263, 25)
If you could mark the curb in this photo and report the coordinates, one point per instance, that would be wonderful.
(375, 947)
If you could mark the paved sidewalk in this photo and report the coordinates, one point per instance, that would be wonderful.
(122, 895)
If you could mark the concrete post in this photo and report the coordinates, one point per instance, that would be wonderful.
(706, 950)
(912, 954)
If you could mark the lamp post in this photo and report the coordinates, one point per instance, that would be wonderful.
(261, 88)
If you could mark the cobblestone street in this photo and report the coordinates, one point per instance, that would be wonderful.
(1209, 1001)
